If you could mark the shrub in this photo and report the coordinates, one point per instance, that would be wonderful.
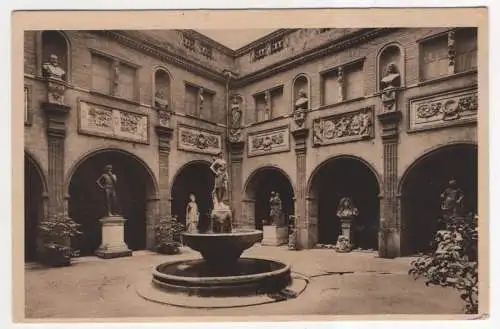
(453, 261)
(167, 235)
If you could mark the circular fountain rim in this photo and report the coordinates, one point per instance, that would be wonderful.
(235, 233)
(218, 279)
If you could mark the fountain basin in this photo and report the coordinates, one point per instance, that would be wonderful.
(248, 276)
(221, 251)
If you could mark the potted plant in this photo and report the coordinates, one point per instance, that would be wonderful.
(167, 235)
(56, 232)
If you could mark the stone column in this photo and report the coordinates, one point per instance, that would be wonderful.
(56, 112)
(236, 158)
(164, 136)
(389, 242)
(302, 226)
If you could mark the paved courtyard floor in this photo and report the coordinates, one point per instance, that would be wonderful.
(356, 283)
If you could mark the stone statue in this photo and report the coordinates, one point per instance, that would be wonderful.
(235, 113)
(276, 210)
(201, 99)
(116, 77)
(302, 102)
(452, 199)
(388, 85)
(267, 99)
(107, 182)
(219, 168)
(366, 124)
(346, 208)
(161, 101)
(192, 214)
(51, 69)
(340, 80)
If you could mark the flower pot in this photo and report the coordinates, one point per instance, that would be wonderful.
(168, 248)
(57, 255)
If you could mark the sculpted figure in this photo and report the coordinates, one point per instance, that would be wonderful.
(235, 113)
(161, 100)
(366, 124)
(107, 182)
(276, 208)
(51, 69)
(201, 99)
(391, 79)
(219, 168)
(302, 102)
(192, 214)
(346, 208)
(452, 199)
(267, 99)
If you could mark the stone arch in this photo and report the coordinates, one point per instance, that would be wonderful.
(389, 53)
(335, 178)
(137, 191)
(162, 77)
(420, 189)
(35, 204)
(257, 189)
(57, 42)
(193, 177)
(301, 80)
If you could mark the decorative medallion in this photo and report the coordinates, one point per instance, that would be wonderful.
(269, 141)
(345, 127)
(99, 120)
(444, 109)
(199, 140)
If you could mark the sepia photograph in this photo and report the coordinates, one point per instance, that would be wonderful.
(324, 165)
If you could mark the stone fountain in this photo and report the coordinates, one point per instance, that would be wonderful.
(222, 272)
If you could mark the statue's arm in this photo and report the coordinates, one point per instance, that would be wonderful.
(98, 181)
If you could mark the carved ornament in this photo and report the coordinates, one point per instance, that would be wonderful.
(269, 141)
(103, 121)
(199, 140)
(444, 109)
(345, 127)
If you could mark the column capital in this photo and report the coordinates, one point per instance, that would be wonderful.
(390, 123)
(300, 136)
(56, 118)
(164, 135)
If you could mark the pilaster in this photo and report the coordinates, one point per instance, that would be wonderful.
(301, 225)
(164, 137)
(236, 157)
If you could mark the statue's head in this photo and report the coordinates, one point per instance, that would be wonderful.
(53, 60)
(452, 182)
(302, 92)
(391, 68)
(200, 91)
(192, 197)
(108, 168)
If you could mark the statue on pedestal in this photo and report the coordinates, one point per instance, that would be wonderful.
(107, 182)
(452, 199)
(51, 69)
(161, 101)
(201, 99)
(346, 211)
(55, 75)
(221, 215)
(275, 212)
(388, 85)
(236, 116)
(192, 214)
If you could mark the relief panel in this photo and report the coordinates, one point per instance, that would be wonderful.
(199, 140)
(269, 141)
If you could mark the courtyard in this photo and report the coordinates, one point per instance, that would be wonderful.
(355, 283)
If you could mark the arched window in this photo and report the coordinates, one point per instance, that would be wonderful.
(55, 43)
(161, 92)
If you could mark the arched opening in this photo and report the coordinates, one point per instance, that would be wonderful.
(390, 54)
(33, 206)
(421, 189)
(258, 190)
(196, 178)
(345, 177)
(300, 83)
(134, 188)
(54, 43)
(161, 89)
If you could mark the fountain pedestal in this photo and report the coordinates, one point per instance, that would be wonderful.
(113, 244)
(274, 235)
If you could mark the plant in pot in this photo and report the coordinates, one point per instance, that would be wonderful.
(167, 234)
(56, 232)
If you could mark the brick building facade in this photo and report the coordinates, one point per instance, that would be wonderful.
(384, 116)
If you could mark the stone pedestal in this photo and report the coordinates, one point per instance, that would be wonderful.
(346, 224)
(274, 236)
(113, 244)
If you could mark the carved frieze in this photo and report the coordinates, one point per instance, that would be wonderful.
(345, 127)
(269, 141)
(443, 109)
(103, 121)
(199, 140)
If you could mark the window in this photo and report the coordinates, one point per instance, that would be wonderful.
(269, 104)
(343, 83)
(448, 53)
(191, 100)
(126, 82)
(198, 102)
(102, 74)
(276, 45)
(206, 51)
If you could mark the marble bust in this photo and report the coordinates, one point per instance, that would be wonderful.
(51, 69)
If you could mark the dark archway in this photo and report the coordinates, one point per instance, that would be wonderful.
(134, 187)
(197, 178)
(258, 189)
(345, 176)
(34, 189)
(422, 185)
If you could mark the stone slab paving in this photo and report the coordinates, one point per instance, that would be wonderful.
(340, 284)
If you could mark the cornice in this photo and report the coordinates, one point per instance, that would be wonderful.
(162, 53)
(312, 54)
